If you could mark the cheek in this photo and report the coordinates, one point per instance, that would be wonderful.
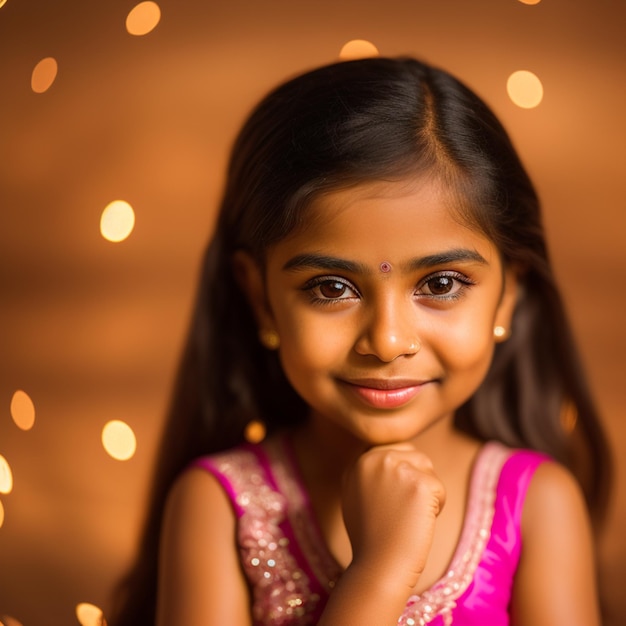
(466, 345)
(311, 341)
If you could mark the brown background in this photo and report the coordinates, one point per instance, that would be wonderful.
(91, 330)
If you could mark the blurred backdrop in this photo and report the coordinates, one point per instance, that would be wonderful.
(110, 101)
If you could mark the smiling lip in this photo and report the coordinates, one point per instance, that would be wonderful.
(385, 393)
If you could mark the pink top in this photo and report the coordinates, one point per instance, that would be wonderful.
(291, 571)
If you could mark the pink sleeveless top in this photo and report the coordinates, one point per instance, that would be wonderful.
(291, 571)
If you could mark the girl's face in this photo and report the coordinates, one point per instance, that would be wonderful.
(385, 305)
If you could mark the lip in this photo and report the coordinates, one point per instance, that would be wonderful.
(385, 393)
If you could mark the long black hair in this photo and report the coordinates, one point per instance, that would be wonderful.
(333, 127)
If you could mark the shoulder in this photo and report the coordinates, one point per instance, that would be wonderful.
(555, 583)
(197, 553)
(553, 493)
(195, 491)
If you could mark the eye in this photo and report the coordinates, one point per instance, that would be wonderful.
(445, 285)
(440, 285)
(326, 289)
(332, 289)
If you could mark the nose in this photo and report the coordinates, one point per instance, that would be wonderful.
(390, 330)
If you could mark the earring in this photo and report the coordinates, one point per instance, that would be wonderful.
(269, 339)
(500, 333)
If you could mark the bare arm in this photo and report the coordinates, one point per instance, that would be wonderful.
(200, 579)
(556, 581)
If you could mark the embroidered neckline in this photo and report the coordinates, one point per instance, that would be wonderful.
(440, 598)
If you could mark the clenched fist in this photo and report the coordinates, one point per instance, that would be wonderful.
(391, 499)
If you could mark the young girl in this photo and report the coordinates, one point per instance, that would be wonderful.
(378, 294)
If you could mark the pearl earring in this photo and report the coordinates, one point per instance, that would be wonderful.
(500, 333)
(269, 338)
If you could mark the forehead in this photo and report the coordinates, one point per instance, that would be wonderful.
(385, 221)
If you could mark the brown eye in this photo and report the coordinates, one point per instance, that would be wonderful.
(332, 289)
(440, 285)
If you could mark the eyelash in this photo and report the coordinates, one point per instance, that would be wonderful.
(465, 283)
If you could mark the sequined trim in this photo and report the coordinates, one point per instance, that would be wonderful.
(283, 593)
(440, 599)
(323, 565)
(281, 589)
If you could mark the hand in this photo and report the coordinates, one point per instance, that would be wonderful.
(391, 499)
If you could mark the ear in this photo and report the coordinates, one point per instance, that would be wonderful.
(249, 276)
(508, 300)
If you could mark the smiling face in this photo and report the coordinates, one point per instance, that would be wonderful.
(385, 305)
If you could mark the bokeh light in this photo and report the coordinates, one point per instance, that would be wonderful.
(89, 615)
(358, 49)
(6, 620)
(117, 221)
(22, 410)
(44, 75)
(119, 440)
(143, 18)
(524, 89)
(255, 431)
(6, 476)
(1, 514)
(2, 3)
(530, 1)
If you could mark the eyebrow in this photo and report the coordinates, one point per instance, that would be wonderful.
(315, 261)
(457, 255)
(325, 262)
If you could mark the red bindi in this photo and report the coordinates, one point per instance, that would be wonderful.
(385, 267)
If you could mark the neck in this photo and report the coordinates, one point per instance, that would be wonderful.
(325, 450)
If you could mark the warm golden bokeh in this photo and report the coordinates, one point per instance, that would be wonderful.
(117, 221)
(44, 74)
(89, 614)
(255, 431)
(22, 410)
(525, 89)
(6, 476)
(119, 440)
(143, 18)
(358, 49)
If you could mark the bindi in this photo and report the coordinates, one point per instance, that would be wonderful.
(385, 267)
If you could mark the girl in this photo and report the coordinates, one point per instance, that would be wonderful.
(378, 294)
